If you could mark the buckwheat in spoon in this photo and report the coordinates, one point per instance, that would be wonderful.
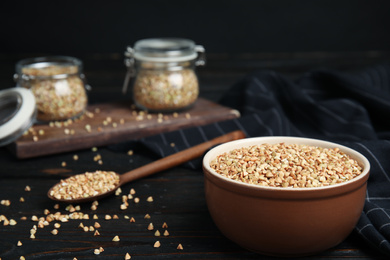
(92, 186)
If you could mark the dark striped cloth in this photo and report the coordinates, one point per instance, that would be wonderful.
(352, 109)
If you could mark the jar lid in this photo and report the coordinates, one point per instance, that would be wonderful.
(17, 113)
(165, 50)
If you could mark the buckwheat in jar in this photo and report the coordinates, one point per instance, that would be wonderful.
(58, 85)
(164, 73)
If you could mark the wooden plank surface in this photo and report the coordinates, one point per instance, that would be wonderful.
(110, 123)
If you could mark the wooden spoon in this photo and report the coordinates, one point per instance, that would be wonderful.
(157, 166)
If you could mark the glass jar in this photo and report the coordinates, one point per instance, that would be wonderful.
(164, 73)
(58, 85)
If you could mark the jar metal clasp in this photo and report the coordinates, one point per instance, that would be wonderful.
(22, 79)
(201, 60)
(129, 63)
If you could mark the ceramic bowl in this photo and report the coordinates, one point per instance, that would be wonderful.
(286, 222)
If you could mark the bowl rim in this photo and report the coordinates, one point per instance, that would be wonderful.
(219, 149)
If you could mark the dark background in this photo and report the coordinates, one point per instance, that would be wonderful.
(240, 36)
(230, 26)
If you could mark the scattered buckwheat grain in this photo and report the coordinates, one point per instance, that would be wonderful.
(150, 226)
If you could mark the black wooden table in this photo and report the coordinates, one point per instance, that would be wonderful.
(178, 195)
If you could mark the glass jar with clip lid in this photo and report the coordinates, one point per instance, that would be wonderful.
(163, 70)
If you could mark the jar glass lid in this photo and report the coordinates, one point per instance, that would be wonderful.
(165, 50)
(17, 113)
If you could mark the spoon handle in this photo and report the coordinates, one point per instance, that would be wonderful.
(178, 158)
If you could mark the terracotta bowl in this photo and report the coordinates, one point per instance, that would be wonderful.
(287, 222)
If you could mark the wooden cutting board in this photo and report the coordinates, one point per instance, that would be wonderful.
(110, 123)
